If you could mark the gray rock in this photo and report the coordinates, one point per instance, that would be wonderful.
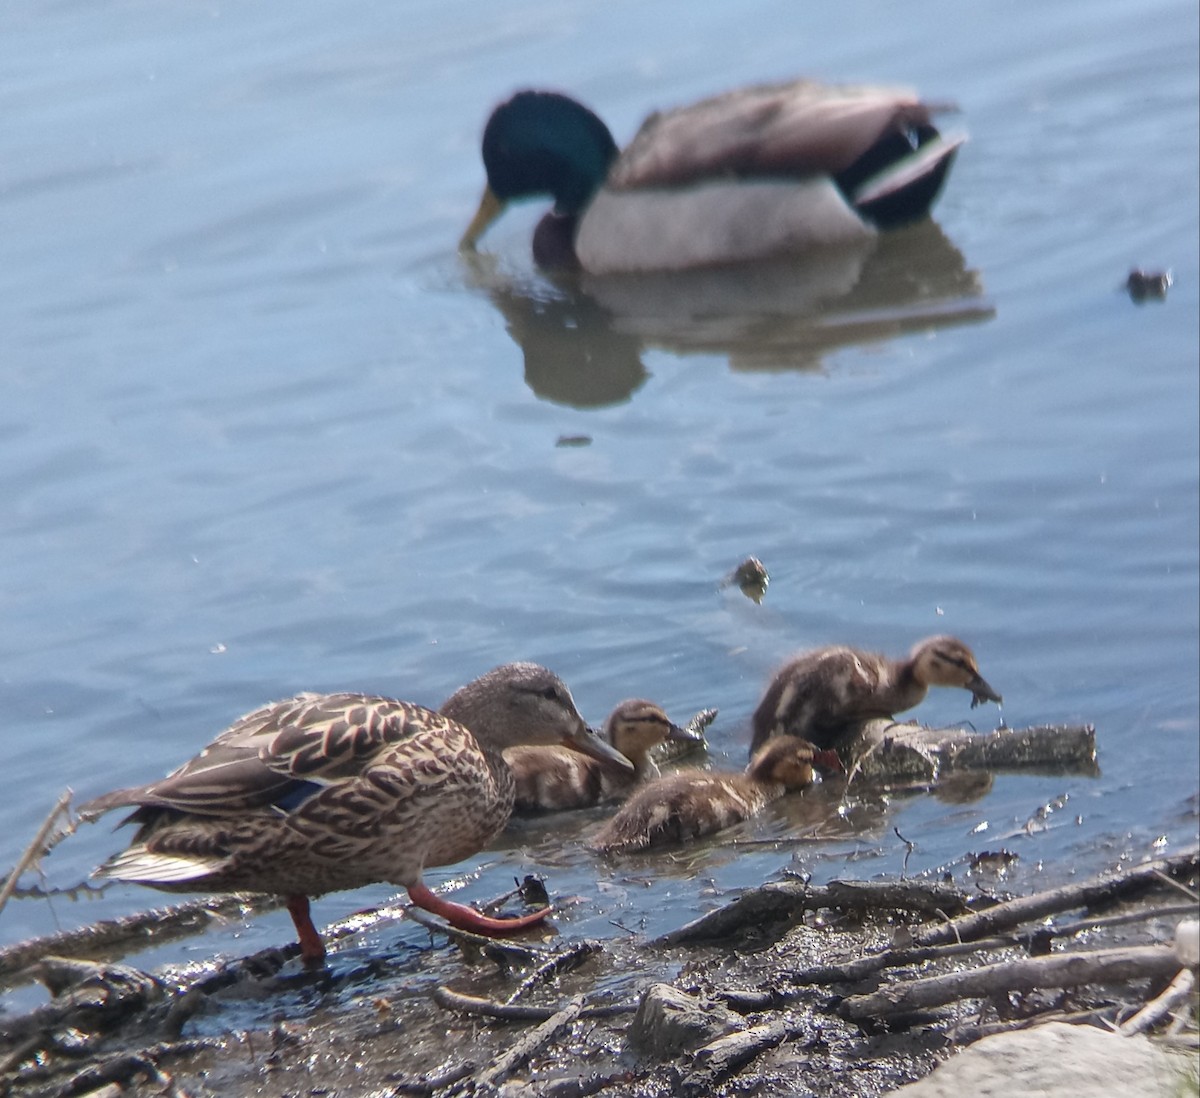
(669, 1021)
(1054, 1060)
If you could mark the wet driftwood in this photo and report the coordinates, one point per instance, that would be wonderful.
(1106, 888)
(1015, 925)
(509, 1011)
(788, 900)
(884, 751)
(953, 976)
(130, 932)
(528, 1045)
(861, 968)
(785, 901)
(112, 1074)
(1178, 992)
(1060, 970)
(727, 1055)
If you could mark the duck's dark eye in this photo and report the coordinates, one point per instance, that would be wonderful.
(550, 693)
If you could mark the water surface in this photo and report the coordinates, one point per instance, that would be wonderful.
(264, 431)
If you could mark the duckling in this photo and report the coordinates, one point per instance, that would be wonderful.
(745, 175)
(325, 792)
(550, 779)
(823, 694)
(692, 803)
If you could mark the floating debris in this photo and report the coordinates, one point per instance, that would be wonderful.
(751, 578)
(995, 863)
(573, 440)
(1148, 285)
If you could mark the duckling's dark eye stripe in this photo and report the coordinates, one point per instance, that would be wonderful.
(957, 661)
(652, 718)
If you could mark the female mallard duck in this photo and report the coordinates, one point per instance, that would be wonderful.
(823, 694)
(692, 803)
(753, 173)
(324, 792)
(550, 779)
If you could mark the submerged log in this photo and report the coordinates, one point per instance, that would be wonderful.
(884, 751)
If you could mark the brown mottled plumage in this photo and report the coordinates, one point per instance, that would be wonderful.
(327, 792)
(550, 779)
(823, 695)
(692, 803)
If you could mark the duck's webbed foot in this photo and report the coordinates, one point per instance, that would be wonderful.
(467, 918)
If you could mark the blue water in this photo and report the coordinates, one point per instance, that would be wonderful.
(264, 431)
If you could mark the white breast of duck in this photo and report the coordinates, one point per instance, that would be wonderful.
(712, 223)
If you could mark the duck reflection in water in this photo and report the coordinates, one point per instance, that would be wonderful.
(583, 336)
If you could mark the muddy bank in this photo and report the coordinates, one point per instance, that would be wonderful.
(850, 988)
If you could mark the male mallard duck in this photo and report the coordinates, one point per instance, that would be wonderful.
(550, 779)
(821, 695)
(692, 803)
(752, 173)
(324, 792)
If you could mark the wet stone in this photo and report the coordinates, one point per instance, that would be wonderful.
(670, 1021)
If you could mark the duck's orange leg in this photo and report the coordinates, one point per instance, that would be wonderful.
(312, 949)
(467, 918)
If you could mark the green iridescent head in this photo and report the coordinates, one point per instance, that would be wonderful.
(541, 143)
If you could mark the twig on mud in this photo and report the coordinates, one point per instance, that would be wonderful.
(1179, 990)
(1190, 893)
(1058, 970)
(785, 900)
(861, 967)
(774, 997)
(1038, 940)
(88, 998)
(119, 1068)
(1167, 911)
(449, 999)
(42, 843)
(130, 932)
(127, 1066)
(967, 1034)
(531, 1043)
(728, 1054)
(427, 1084)
(1104, 888)
(569, 959)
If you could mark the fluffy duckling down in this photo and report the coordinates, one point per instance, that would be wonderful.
(690, 804)
(824, 695)
(551, 779)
